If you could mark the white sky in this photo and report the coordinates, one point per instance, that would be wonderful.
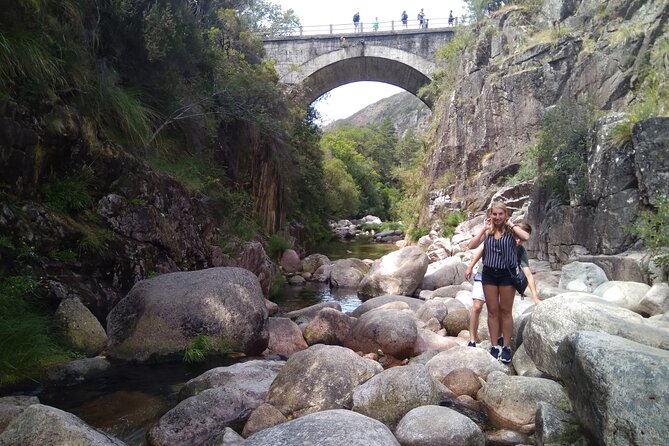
(343, 101)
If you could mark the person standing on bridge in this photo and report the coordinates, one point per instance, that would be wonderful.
(421, 18)
(375, 25)
(405, 19)
(356, 21)
(450, 18)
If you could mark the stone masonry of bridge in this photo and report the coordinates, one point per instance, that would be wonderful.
(314, 65)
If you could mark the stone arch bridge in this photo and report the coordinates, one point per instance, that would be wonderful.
(314, 65)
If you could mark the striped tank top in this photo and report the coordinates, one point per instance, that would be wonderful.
(500, 253)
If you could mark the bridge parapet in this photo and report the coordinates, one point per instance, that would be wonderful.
(368, 27)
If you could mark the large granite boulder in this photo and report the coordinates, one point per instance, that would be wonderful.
(399, 272)
(450, 271)
(321, 377)
(80, 329)
(327, 428)
(290, 261)
(477, 359)
(435, 425)
(618, 388)
(40, 425)
(330, 326)
(314, 261)
(579, 276)
(250, 377)
(12, 406)
(559, 316)
(391, 331)
(202, 417)
(388, 396)
(219, 398)
(347, 273)
(285, 337)
(624, 294)
(376, 302)
(511, 401)
(160, 317)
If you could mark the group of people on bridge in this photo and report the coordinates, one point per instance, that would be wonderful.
(423, 21)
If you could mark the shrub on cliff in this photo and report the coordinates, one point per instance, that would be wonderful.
(562, 149)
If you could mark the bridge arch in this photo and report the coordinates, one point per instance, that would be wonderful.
(313, 65)
(376, 63)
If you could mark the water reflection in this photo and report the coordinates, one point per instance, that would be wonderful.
(311, 293)
(129, 398)
(359, 248)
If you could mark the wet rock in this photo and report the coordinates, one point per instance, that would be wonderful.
(77, 371)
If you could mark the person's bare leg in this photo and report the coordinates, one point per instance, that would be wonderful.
(477, 306)
(491, 293)
(506, 296)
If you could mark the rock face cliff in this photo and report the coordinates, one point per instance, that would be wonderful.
(131, 222)
(520, 63)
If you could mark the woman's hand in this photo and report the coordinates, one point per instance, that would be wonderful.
(488, 224)
(468, 273)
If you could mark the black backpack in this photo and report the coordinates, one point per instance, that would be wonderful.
(356, 17)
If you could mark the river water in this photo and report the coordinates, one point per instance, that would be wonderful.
(130, 398)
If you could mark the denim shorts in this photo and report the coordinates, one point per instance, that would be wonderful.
(497, 276)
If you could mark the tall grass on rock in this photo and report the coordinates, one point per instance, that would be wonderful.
(29, 338)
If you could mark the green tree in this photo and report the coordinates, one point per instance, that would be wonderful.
(480, 8)
(267, 18)
(341, 192)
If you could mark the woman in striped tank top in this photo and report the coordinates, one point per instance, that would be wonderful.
(499, 254)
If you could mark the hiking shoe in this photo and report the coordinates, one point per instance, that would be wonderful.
(500, 341)
(494, 351)
(505, 356)
(471, 344)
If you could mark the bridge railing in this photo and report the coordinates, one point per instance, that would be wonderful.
(368, 27)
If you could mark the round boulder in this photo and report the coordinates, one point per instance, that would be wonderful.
(436, 425)
(391, 331)
(162, 316)
(328, 428)
(81, 330)
(319, 378)
(399, 272)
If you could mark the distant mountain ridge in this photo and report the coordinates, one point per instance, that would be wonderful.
(405, 111)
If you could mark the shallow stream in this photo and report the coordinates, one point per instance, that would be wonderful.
(130, 398)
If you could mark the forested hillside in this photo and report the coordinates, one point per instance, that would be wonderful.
(404, 110)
